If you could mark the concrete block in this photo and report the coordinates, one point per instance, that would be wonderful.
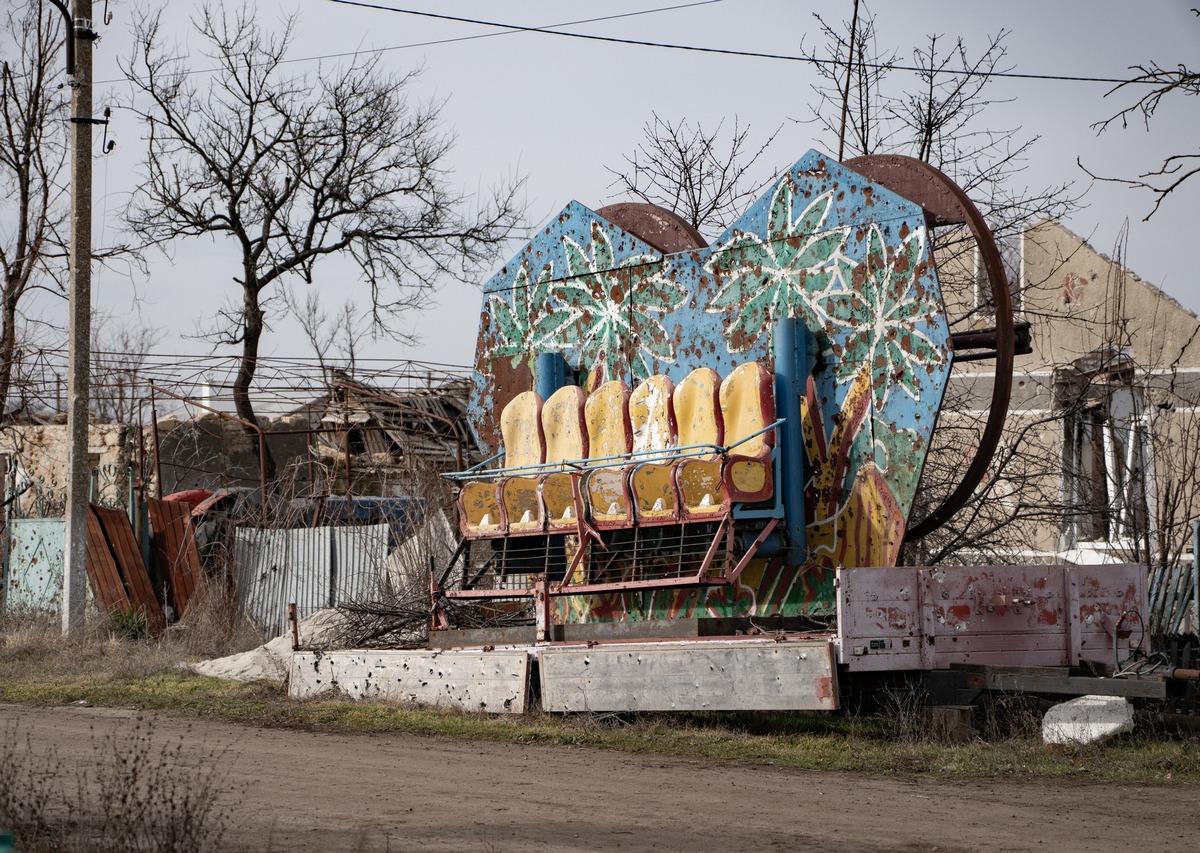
(493, 682)
(696, 675)
(1087, 719)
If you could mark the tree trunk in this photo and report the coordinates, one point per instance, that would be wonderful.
(8, 346)
(252, 334)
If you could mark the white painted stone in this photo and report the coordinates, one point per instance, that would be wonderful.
(1087, 719)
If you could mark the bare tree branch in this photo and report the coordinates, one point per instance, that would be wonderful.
(691, 172)
(1175, 169)
(33, 196)
(294, 168)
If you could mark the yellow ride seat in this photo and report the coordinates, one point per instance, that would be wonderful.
(524, 445)
(652, 416)
(747, 401)
(699, 422)
(566, 441)
(610, 434)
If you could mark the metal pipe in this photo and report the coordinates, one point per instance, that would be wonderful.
(792, 366)
(616, 460)
(551, 373)
(849, 75)
(157, 445)
(68, 40)
(294, 622)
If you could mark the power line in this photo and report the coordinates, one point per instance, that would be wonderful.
(547, 29)
(435, 42)
(812, 60)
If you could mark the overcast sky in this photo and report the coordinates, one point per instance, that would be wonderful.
(559, 110)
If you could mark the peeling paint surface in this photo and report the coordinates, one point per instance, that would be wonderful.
(34, 576)
(1011, 615)
(848, 257)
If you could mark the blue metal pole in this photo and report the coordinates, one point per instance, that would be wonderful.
(792, 367)
(551, 373)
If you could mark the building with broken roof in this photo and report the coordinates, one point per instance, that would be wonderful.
(1102, 440)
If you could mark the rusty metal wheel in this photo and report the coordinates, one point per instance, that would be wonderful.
(946, 205)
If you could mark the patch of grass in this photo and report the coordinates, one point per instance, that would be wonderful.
(37, 667)
(795, 741)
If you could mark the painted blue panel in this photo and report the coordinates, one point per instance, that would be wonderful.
(34, 576)
(823, 244)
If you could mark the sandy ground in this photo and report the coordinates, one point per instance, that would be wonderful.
(303, 791)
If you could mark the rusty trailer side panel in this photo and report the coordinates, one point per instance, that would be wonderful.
(909, 618)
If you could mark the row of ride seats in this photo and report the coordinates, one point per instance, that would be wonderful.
(661, 454)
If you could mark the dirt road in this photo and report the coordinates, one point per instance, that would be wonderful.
(304, 791)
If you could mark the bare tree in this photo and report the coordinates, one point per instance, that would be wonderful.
(853, 86)
(294, 168)
(1157, 84)
(692, 172)
(945, 119)
(334, 338)
(33, 202)
(120, 385)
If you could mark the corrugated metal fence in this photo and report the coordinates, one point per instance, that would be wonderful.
(314, 567)
(1172, 597)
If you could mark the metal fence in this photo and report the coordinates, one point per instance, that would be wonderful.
(34, 576)
(1172, 600)
(313, 568)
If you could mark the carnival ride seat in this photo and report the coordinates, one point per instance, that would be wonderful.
(652, 415)
(567, 443)
(747, 401)
(701, 431)
(610, 437)
(486, 506)
(524, 447)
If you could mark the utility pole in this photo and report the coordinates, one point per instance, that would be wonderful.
(79, 38)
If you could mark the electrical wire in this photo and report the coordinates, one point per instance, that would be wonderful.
(435, 42)
(548, 29)
(813, 60)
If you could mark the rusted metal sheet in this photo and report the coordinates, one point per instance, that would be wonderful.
(664, 230)
(697, 675)
(175, 550)
(493, 682)
(906, 618)
(34, 575)
(115, 567)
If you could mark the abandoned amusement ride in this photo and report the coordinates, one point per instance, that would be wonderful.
(708, 462)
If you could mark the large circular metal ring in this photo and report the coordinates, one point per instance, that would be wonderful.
(945, 203)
